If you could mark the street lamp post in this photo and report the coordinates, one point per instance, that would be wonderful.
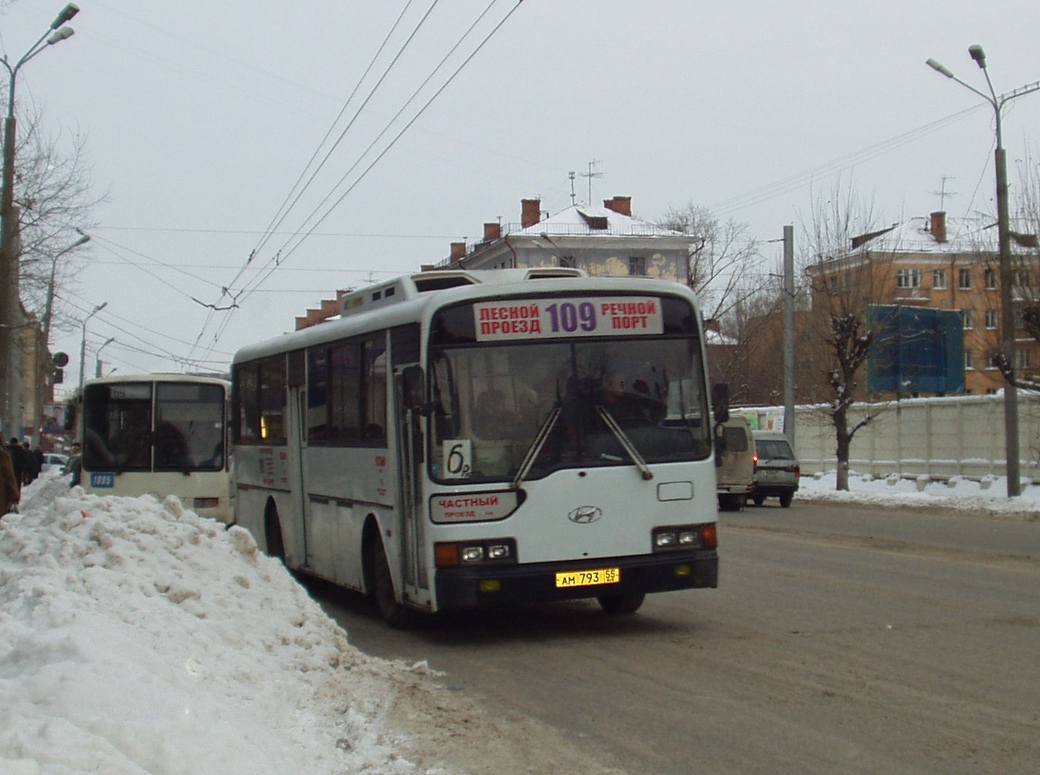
(83, 343)
(10, 299)
(97, 356)
(1007, 310)
(43, 353)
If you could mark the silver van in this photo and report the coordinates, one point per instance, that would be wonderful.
(734, 476)
(777, 470)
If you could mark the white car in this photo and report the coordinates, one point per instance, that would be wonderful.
(53, 461)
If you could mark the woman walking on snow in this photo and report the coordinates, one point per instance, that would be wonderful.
(10, 493)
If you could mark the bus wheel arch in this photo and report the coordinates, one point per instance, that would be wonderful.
(273, 531)
(379, 581)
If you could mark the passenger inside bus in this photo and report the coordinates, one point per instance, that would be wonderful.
(627, 398)
(171, 448)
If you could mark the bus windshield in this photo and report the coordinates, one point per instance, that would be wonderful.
(145, 426)
(491, 402)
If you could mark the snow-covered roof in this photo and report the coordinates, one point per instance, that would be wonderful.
(586, 219)
(915, 235)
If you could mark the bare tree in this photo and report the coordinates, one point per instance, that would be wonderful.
(54, 196)
(719, 264)
(1025, 245)
(719, 270)
(844, 283)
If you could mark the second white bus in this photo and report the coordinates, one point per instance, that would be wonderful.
(158, 434)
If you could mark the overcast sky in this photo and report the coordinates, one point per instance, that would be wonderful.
(200, 117)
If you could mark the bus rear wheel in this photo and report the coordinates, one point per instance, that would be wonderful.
(273, 534)
(393, 613)
(621, 604)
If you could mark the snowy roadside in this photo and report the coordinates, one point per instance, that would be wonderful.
(985, 498)
(139, 637)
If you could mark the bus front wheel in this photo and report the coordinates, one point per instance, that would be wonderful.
(393, 613)
(621, 604)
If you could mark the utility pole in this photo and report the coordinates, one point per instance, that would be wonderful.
(789, 383)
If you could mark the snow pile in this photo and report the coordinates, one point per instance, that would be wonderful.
(139, 637)
(986, 496)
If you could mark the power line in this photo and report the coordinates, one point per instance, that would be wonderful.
(276, 261)
(784, 185)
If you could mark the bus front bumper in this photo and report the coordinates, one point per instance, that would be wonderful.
(489, 586)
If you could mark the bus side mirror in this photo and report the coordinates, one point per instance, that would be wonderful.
(720, 443)
(414, 388)
(720, 401)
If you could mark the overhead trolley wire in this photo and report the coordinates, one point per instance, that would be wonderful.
(276, 260)
(286, 207)
(797, 180)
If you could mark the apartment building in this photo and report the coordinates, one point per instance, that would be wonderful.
(942, 263)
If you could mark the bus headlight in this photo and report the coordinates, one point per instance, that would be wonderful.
(491, 551)
(680, 537)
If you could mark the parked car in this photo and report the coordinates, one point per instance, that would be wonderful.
(777, 470)
(54, 461)
(734, 474)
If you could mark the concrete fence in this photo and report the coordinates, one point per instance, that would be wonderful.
(940, 437)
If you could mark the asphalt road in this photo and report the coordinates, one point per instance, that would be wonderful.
(841, 640)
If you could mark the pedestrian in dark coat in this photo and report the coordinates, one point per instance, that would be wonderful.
(33, 465)
(16, 451)
(9, 491)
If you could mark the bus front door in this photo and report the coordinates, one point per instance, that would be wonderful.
(410, 460)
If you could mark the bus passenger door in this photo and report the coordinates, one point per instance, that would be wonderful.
(408, 402)
(294, 525)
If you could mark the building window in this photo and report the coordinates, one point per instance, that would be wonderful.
(1023, 358)
(990, 278)
(991, 319)
(969, 359)
(637, 266)
(908, 278)
(967, 319)
(840, 283)
(964, 279)
(939, 279)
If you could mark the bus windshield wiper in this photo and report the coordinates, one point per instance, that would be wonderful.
(536, 446)
(626, 442)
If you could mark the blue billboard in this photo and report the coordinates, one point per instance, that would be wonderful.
(916, 350)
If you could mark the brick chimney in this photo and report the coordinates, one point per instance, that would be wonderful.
(492, 232)
(530, 212)
(939, 226)
(622, 205)
(458, 251)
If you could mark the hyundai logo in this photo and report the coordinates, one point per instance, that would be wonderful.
(585, 515)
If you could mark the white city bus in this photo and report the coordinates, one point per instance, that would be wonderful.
(467, 439)
(158, 434)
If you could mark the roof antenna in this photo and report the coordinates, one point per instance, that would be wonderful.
(573, 195)
(590, 175)
(943, 193)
